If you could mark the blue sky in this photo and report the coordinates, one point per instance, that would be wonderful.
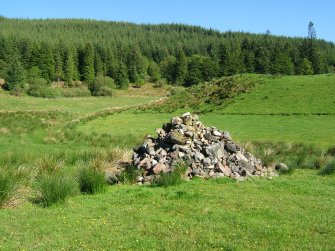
(281, 17)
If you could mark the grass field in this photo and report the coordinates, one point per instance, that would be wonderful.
(288, 213)
(242, 127)
(81, 105)
(294, 211)
(288, 95)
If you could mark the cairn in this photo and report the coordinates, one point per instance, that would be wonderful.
(208, 152)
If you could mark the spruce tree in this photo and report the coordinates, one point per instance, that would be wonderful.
(306, 67)
(121, 76)
(88, 64)
(154, 72)
(223, 59)
(15, 76)
(59, 66)
(69, 67)
(46, 62)
(181, 67)
(137, 67)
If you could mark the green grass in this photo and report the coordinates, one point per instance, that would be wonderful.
(292, 212)
(82, 105)
(316, 129)
(291, 94)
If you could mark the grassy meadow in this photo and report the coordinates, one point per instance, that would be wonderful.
(61, 143)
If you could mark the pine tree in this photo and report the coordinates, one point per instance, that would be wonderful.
(46, 62)
(306, 67)
(313, 53)
(88, 64)
(181, 67)
(15, 76)
(69, 67)
(154, 72)
(121, 76)
(282, 64)
(59, 66)
(136, 66)
(223, 59)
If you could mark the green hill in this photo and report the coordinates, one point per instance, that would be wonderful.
(79, 50)
(288, 95)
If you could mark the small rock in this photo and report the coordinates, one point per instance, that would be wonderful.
(217, 133)
(181, 154)
(139, 179)
(282, 167)
(111, 178)
(189, 134)
(176, 121)
(186, 114)
(207, 161)
(176, 137)
(227, 135)
(198, 157)
(230, 147)
(159, 168)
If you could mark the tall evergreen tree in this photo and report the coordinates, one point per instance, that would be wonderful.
(15, 76)
(46, 62)
(69, 67)
(181, 67)
(121, 76)
(136, 65)
(59, 66)
(223, 59)
(88, 64)
(306, 67)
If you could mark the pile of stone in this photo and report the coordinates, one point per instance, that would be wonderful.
(208, 152)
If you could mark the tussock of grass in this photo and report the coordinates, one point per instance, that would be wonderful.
(11, 180)
(55, 188)
(173, 178)
(129, 174)
(329, 169)
(91, 179)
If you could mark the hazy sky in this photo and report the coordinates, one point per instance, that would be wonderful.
(281, 17)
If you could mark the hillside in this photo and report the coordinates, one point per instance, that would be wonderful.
(288, 95)
(255, 108)
(72, 50)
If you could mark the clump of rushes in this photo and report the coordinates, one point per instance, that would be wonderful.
(91, 179)
(11, 179)
(172, 178)
(55, 188)
(329, 169)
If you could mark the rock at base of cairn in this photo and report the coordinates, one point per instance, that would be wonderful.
(209, 152)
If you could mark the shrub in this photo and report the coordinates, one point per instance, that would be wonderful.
(74, 92)
(55, 188)
(38, 87)
(102, 86)
(91, 180)
(175, 177)
(329, 169)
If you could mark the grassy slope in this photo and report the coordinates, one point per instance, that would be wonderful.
(298, 96)
(292, 94)
(288, 213)
(81, 105)
(242, 127)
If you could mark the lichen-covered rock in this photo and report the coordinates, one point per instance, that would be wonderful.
(209, 152)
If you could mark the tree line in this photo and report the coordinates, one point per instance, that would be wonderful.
(107, 55)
